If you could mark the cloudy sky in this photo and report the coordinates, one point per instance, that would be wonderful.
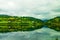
(42, 9)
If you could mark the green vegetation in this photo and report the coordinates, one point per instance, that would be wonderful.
(54, 23)
(14, 23)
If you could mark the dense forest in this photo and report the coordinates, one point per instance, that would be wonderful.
(15, 23)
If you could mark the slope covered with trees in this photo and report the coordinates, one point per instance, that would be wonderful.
(54, 23)
(15, 23)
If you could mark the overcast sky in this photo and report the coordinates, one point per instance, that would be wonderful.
(42, 9)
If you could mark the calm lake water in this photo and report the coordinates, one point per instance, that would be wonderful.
(40, 34)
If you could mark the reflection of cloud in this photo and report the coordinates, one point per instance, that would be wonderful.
(40, 34)
(48, 31)
(42, 9)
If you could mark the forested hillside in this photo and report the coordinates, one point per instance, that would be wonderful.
(54, 23)
(15, 23)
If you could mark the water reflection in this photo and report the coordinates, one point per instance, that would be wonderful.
(40, 34)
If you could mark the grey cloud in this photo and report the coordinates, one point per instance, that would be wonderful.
(40, 12)
(56, 10)
(36, 8)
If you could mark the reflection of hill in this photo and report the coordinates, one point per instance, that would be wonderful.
(14, 23)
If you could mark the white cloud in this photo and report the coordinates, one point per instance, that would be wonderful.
(42, 9)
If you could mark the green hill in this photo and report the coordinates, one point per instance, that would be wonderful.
(54, 23)
(15, 23)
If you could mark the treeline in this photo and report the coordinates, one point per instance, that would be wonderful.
(15, 23)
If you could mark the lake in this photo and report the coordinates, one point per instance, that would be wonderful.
(39, 34)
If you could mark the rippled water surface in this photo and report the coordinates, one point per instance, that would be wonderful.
(40, 34)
